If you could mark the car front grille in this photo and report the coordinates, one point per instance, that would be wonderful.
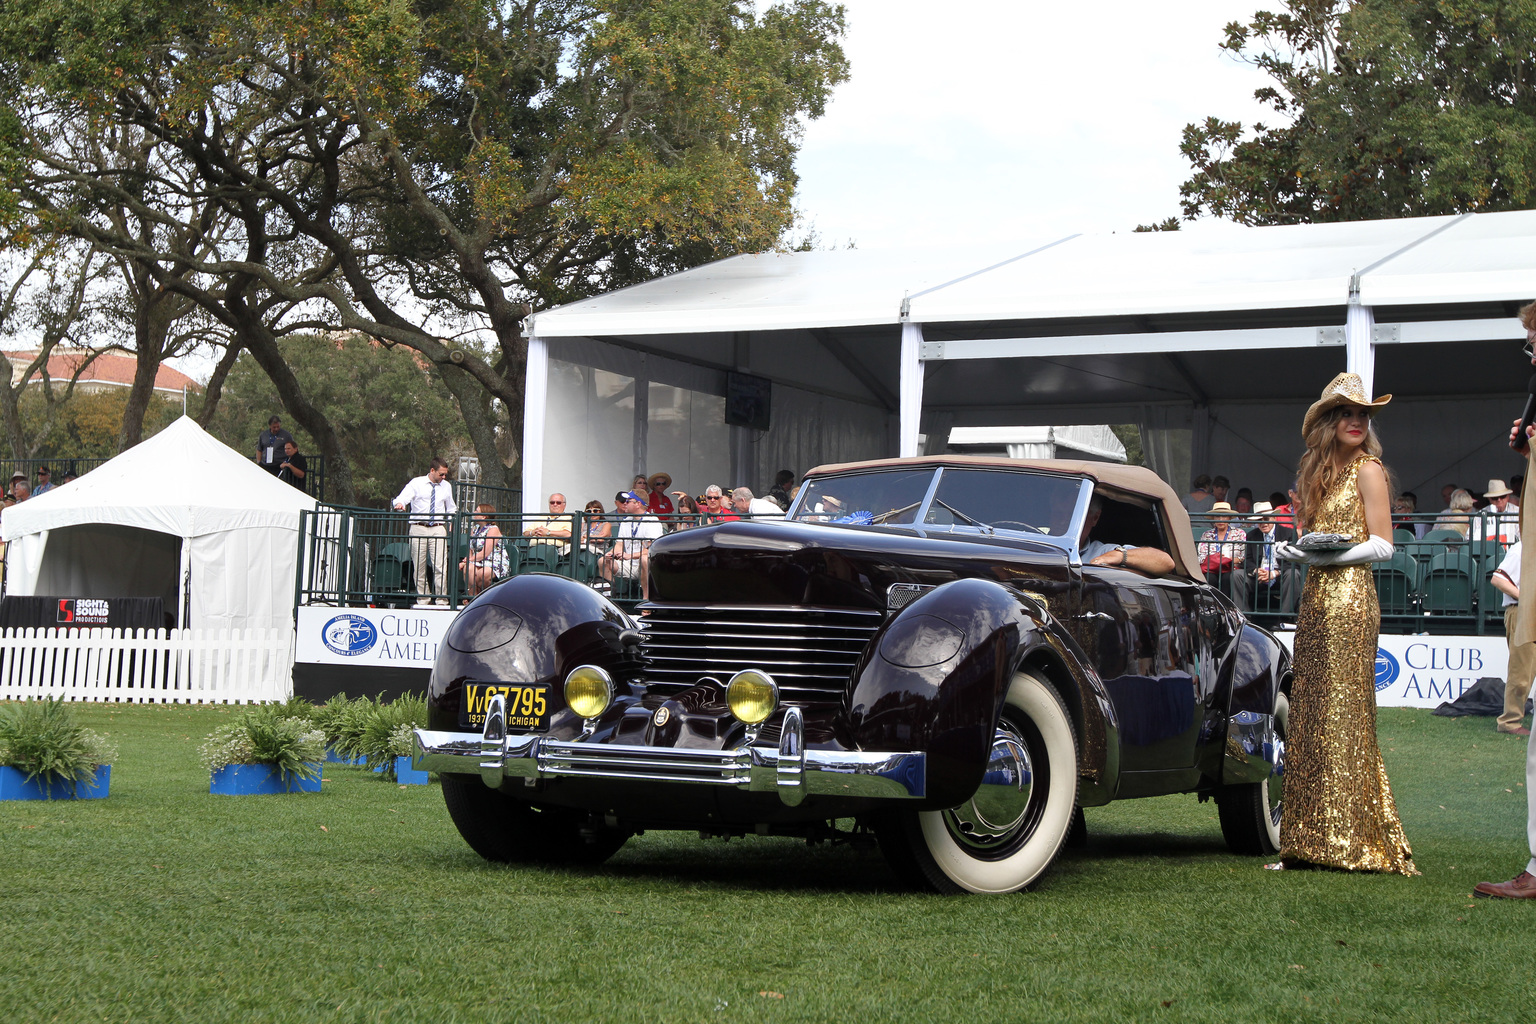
(810, 652)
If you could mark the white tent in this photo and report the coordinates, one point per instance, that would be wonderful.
(181, 516)
(1214, 340)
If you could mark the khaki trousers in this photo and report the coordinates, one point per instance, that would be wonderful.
(429, 553)
(1517, 679)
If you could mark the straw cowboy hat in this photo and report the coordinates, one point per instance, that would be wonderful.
(1262, 510)
(1219, 508)
(1345, 389)
(659, 480)
(1497, 489)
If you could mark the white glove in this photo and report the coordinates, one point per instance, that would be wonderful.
(1373, 549)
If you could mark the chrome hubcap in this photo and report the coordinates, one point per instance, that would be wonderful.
(994, 816)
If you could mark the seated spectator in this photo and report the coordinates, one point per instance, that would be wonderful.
(1222, 550)
(1498, 519)
(44, 484)
(741, 502)
(1219, 487)
(552, 530)
(1243, 503)
(1153, 561)
(1285, 515)
(688, 512)
(486, 560)
(596, 529)
(1271, 580)
(658, 502)
(715, 508)
(1458, 516)
(631, 554)
(1199, 498)
(783, 480)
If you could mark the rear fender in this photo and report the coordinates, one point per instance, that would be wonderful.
(1261, 670)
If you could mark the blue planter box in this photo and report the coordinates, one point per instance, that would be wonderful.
(408, 776)
(255, 779)
(14, 785)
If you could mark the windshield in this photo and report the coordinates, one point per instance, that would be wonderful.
(1002, 500)
(889, 497)
(981, 499)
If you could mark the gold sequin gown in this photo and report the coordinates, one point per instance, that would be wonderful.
(1338, 808)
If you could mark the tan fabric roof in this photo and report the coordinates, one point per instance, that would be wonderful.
(1136, 480)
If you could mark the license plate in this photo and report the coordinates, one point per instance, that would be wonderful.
(527, 705)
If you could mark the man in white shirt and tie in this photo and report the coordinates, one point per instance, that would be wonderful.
(429, 499)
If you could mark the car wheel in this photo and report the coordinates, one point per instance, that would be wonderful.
(1009, 833)
(1250, 811)
(501, 828)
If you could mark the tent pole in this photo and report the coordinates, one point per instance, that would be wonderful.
(911, 387)
(535, 406)
(183, 600)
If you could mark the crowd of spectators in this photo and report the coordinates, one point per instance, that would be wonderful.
(1235, 546)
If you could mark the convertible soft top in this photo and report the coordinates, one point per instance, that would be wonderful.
(1136, 480)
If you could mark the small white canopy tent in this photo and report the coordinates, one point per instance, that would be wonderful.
(180, 508)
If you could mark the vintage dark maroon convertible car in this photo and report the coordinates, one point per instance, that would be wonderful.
(920, 646)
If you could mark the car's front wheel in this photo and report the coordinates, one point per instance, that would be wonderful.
(1005, 836)
(499, 828)
(1250, 811)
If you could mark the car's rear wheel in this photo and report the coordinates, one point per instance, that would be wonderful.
(500, 828)
(1251, 811)
(1006, 836)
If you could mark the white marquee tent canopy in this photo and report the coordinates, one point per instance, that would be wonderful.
(1213, 340)
(182, 516)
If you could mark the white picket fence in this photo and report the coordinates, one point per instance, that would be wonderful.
(176, 666)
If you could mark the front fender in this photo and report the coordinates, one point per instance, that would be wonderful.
(1261, 670)
(934, 680)
(532, 628)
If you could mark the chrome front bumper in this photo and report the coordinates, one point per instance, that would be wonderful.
(788, 769)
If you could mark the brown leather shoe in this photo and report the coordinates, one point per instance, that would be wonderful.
(1518, 730)
(1521, 887)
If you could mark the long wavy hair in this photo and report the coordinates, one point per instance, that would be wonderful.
(1316, 474)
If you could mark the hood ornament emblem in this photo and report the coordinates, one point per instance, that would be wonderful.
(661, 717)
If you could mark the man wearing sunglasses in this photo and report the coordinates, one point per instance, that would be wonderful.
(715, 508)
(553, 530)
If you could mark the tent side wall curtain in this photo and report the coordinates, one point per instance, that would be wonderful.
(911, 387)
(535, 401)
(261, 597)
(23, 559)
(1359, 348)
(104, 560)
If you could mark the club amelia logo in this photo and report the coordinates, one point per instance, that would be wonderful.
(349, 635)
(1386, 669)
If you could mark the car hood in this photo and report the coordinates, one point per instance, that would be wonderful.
(784, 563)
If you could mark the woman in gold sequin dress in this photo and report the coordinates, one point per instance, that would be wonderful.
(1338, 804)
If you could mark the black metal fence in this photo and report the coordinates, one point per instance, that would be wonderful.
(1437, 581)
(355, 557)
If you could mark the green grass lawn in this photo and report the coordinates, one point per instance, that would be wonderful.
(361, 903)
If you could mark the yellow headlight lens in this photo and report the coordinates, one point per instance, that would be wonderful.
(752, 695)
(588, 691)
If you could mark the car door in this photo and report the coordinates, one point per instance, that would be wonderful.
(1147, 641)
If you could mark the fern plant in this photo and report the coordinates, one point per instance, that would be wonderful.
(264, 735)
(388, 729)
(42, 738)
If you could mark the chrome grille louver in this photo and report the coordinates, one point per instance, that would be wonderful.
(810, 652)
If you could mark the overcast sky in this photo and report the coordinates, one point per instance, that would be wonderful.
(985, 122)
